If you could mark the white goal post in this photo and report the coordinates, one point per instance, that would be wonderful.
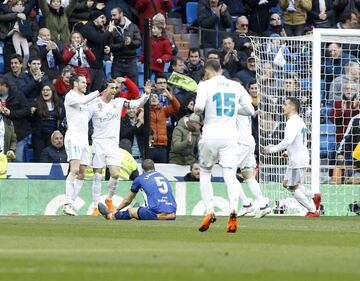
(306, 60)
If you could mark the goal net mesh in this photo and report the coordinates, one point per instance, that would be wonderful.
(284, 68)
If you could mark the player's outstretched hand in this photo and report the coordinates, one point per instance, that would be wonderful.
(266, 149)
(147, 87)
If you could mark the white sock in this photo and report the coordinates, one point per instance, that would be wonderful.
(69, 187)
(256, 191)
(206, 189)
(96, 189)
(112, 187)
(306, 191)
(303, 200)
(77, 188)
(233, 188)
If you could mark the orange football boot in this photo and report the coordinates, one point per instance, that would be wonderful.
(209, 218)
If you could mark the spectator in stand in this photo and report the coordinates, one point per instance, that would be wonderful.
(7, 137)
(254, 93)
(347, 20)
(295, 15)
(335, 60)
(149, 8)
(62, 84)
(161, 49)
(160, 19)
(194, 65)
(215, 55)
(352, 76)
(31, 82)
(275, 26)
(343, 6)
(82, 13)
(132, 128)
(49, 53)
(15, 107)
(185, 140)
(125, 5)
(16, 64)
(230, 57)
(349, 142)
(78, 55)
(214, 17)
(321, 14)
(56, 19)
(158, 151)
(259, 14)
(21, 30)
(242, 41)
(54, 153)
(98, 41)
(345, 109)
(177, 65)
(194, 174)
(249, 73)
(47, 116)
(267, 81)
(131, 93)
(125, 39)
(237, 7)
(7, 20)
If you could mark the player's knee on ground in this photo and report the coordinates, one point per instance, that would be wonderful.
(285, 185)
(134, 213)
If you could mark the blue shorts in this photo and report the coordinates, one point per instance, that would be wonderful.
(147, 214)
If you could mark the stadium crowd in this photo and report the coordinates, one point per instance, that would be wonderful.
(44, 42)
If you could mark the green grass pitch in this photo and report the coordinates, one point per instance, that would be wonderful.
(36, 248)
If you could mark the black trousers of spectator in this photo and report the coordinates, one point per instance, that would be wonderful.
(39, 143)
(158, 154)
(97, 78)
(125, 67)
(294, 30)
(8, 50)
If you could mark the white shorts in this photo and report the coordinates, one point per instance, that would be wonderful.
(223, 151)
(295, 176)
(105, 153)
(246, 157)
(77, 151)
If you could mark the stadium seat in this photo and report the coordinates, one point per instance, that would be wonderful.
(166, 67)
(141, 80)
(138, 52)
(2, 64)
(327, 140)
(141, 68)
(107, 69)
(191, 12)
(305, 83)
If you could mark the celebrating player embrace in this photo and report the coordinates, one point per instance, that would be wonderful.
(295, 142)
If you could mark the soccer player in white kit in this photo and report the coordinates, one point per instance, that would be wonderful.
(295, 142)
(76, 138)
(105, 112)
(220, 99)
(247, 165)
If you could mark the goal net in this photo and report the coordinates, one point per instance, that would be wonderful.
(321, 70)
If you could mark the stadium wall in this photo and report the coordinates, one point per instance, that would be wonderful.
(46, 197)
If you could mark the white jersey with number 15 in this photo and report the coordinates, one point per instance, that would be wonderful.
(221, 99)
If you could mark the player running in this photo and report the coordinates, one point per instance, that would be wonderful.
(105, 113)
(220, 99)
(161, 204)
(295, 142)
(76, 138)
(247, 165)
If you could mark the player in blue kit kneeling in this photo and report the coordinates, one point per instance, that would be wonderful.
(160, 203)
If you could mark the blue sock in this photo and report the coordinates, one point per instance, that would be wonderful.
(122, 215)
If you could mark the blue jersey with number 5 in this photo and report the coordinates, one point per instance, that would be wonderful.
(158, 191)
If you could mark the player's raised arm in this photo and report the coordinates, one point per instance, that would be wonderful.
(141, 101)
(201, 97)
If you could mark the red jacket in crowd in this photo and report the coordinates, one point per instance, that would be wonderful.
(67, 55)
(341, 114)
(146, 10)
(160, 49)
(61, 87)
(132, 93)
